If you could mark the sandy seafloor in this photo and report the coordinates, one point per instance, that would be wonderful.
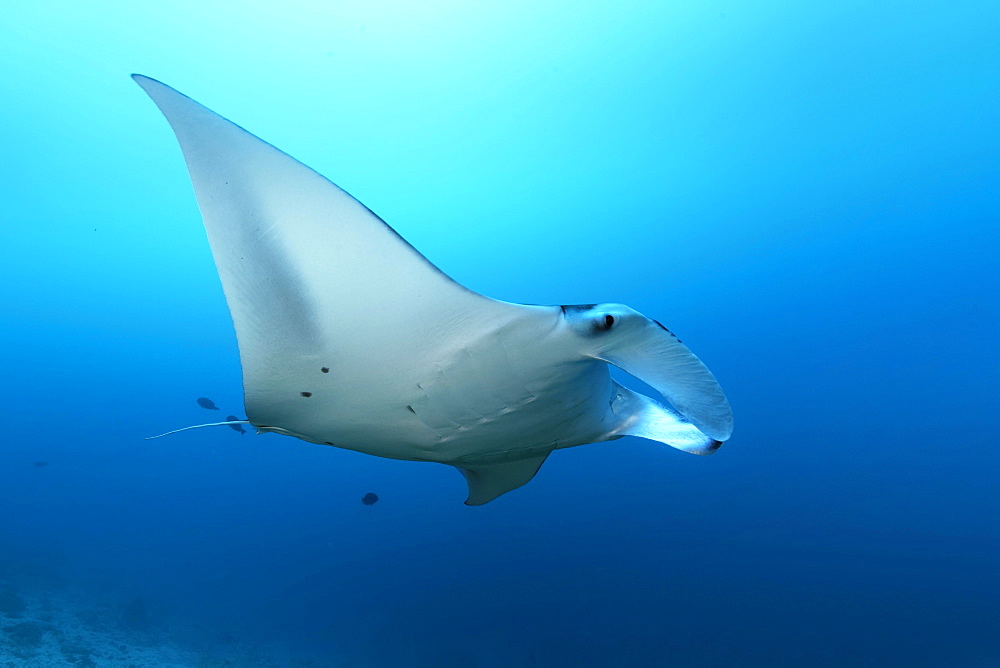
(47, 624)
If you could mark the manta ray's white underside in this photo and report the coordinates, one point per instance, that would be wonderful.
(349, 337)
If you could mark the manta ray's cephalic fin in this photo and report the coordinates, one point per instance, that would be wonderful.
(647, 418)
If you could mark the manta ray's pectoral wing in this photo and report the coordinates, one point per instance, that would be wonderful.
(488, 481)
(329, 303)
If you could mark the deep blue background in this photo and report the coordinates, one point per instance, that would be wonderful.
(807, 193)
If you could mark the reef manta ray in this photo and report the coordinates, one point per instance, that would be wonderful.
(350, 337)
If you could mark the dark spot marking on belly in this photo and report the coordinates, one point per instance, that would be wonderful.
(325, 369)
(306, 394)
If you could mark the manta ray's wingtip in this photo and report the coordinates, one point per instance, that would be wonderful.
(146, 83)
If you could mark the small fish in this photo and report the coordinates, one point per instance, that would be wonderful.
(207, 403)
(39, 465)
(369, 499)
(235, 427)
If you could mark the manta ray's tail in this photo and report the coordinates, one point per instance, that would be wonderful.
(199, 426)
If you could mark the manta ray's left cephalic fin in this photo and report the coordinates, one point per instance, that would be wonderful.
(488, 481)
(647, 418)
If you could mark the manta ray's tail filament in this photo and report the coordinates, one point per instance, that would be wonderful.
(198, 426)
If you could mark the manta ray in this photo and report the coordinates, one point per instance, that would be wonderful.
(349, 337)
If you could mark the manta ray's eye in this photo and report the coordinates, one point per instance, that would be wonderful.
(604, 324)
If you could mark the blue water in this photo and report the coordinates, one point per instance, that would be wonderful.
(807, 193)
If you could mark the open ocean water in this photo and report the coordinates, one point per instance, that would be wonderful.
(808, 194)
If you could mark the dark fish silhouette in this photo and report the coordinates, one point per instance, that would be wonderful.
(369, 499)
(39, 465)
(235, 427)
(207, 403)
